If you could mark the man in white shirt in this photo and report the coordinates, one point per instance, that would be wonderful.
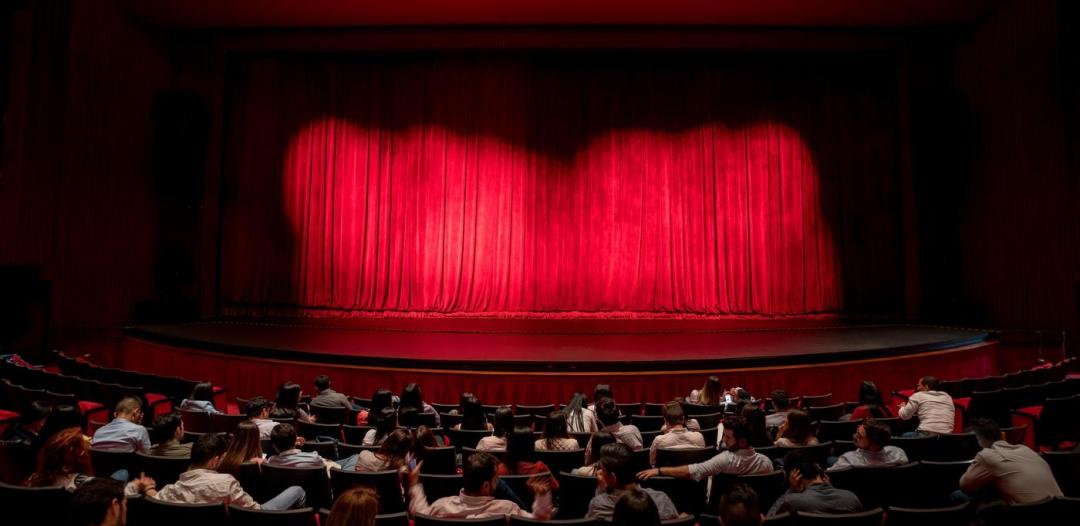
(739, 459)
(872, 440)
(677, 436)
(934, 408)
(1013, 473)
(476, 500)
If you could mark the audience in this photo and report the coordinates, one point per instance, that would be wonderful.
(615, 477)
(601, 391)
(31, 421)
(676, 436)
(504, 424)
(385, 422)
(738, 459)
(810, 491)
(476, 500)
(473, 417)
(394, 453)
(739, 506)
(555, 437)
(579, 417)
(123, 434)
(202, 484)
(873, 449)
(635, 508)
(167, 433)
(521, 457)
(1004, 471)
(797, 430)
(608, 414)
(99, 502)
(934, 409)
(286, 445)
(201, 399)
(413, 397)
(287, 404)
(755, 420)
(245, 446)
(712, 393)
(355, 507)
(380, 399)
(328, 397)
(870, 403)
(258, 412)
(781, 404)
(598, 440)
(64, 460)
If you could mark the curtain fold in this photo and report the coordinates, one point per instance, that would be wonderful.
(558, 186)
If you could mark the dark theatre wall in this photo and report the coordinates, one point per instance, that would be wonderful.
(995, 201)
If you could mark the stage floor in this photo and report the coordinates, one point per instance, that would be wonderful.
(558, 345)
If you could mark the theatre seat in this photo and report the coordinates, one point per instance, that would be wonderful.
(248, 517)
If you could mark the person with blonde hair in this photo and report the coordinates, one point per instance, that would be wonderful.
(245, 446)
(356, 507)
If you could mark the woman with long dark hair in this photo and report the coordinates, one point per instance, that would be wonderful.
(201, 399)
(870, 404)
(412, 396)
(393, 453)
(755, 422)
(287, 404)
(797, 430)
(387, 422)
(382, 397)
(555, 437)
(521, 457)
(579, 418)
(504, 424)
(473, 417)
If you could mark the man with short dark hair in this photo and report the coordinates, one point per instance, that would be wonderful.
(287, 445)
(873, 450)
(258, 411)
(781, 405)
(124, 433)
(1013, 473)
(328, 397)
(739, 459)
(739, 506)
(810, 491)
(934, 408)
(202, 484)
(167, 433)
(615, 478)
(476, 500)
(607, 413)
(677, 435)
(98, 502)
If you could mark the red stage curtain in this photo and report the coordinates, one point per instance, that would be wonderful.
(558, 185)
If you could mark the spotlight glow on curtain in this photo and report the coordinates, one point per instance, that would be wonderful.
(516, 187)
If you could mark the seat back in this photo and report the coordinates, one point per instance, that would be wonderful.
(223, 423)
(275, 479)
(837, 429)
(938, 480)
(1066, 468)
(647, 423)
(330, 415)
(953, 446)
(249, 517)
(45, 505)
(148, 510)
(164, 470)
(876, 487)
(466, 438)
(439, 486)
(818, 452)
(687, 495)
(816, 401)
(946, 516)
(516, 520)
(439, 460)
(710, 421)
(16, 462)
(559, 461)
(1000, 514)
(107, 462)
(355, 434)
(313, 430)
(916, 448)
(196, 421)
(864, 518)
(990, 404)
(680, 457)
(1058, 422)
(633, 408)
(386, 484)
(427, 520)
(768, 486)
(325, 448)
(826, 412)
(519, 484)
(575, 492)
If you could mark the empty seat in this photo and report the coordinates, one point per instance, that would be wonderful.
(164, 470)
(149, 510)
(953, 446)
(826, 412)
(223, 423)
(107, 462)
(575, 492)
(938, 480)
(249, 517)
(816, 401)
(864, 518)
(878, 486)
(46, 505)
(710, 420)
(633, 408)
(275, 479)
(558, 461)
(653, 409)
(196, 421)
(325, 448)
(647, 423)
(948, 516)
(330, 415)
(1066, 468)
(989, 404)
(439, 460)
(916, 448)
(837, 429)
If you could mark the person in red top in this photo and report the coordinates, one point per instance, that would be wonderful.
(521, 457)
(870, 404)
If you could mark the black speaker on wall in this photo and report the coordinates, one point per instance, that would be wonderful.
(181, 135)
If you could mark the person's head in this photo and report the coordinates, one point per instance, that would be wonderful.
(575, 419)
(504, 421)
(599, 440)
(425, 439)
(288, 396)
(397, 447)
(322, 383)
(673, 414)
(98, 502)
(461, 401)
(712, 393)
(635, 508)
(386, 421)
(799, 426)
(555, 428)
(283, 437)
(742, 396)
(928, 383)
(257, 407)
(472, 414)
(412, 396)
(63, 416)
(167, 427)
(602, 391)
(34, 416)
(203, 391)
(607, 412)
(380, 399)
(755, 422)
(520, 447)
(780, 400)
(872, 435)
(739, 506)
(129, 408)
(869, 394)
(355, 507)
(208, 451)
(244, 446)
(801, 470)
(986, 431)
(64, 453)
(616, 465)
(736, 433)
(478, 474)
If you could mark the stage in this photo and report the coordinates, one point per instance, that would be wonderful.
(544, 361)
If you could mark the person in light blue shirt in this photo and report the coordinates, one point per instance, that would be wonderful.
(123, 434)
(201, 399)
